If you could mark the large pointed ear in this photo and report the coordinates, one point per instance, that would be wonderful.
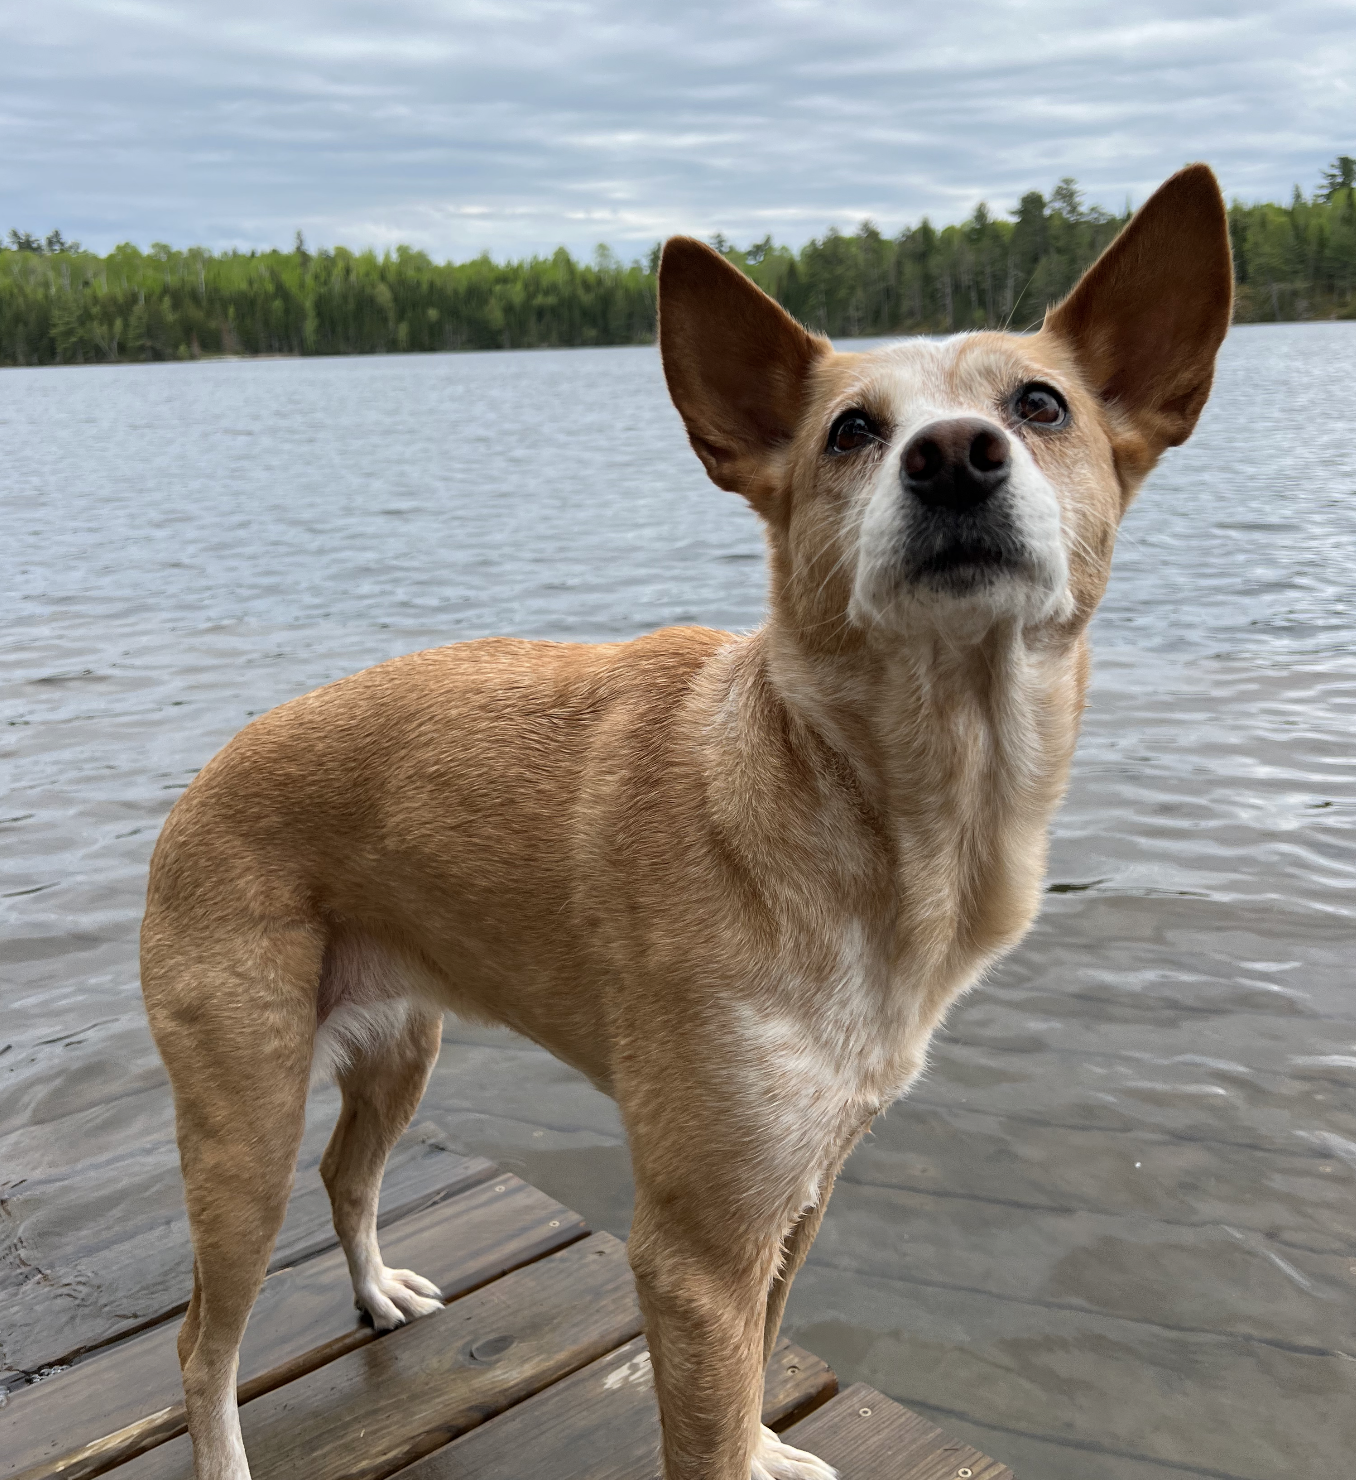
(1147, 317)
(736, 363)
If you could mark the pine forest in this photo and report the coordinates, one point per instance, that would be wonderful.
(62, 305)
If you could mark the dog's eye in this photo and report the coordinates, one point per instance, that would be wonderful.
(1040, 405)
(852, 430)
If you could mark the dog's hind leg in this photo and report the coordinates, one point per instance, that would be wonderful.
(382, 1081)
(234, 1021)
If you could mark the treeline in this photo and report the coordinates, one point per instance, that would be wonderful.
(72, 306)
(62, 305)
(1291, 262)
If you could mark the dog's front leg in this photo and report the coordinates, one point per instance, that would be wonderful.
(703, 1265)
(796, 1244)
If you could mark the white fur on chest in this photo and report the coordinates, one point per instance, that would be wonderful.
(820, 1052)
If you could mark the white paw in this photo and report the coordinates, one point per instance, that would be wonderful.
(396, 1296)
(773, 1460)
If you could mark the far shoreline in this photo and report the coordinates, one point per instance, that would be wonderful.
(524, 349)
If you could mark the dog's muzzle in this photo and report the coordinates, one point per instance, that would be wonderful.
(955, 477)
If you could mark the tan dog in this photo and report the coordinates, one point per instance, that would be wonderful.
(736, 881)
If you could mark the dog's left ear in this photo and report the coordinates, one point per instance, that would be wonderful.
(1146, 319)
(736, 364)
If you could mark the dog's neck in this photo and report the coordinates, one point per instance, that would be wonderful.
(921, 776)
(937, 715)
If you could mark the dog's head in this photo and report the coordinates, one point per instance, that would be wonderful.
(953, 484)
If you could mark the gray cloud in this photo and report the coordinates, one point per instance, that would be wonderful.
(461, 125)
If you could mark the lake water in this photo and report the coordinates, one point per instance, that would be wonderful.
(1112, 1234)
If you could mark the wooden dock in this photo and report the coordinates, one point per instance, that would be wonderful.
(535, 1368)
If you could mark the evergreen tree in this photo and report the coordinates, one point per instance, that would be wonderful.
(1340, 175)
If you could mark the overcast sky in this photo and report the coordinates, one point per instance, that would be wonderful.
(469, 125)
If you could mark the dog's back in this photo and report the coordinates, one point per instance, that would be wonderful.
(486, 791)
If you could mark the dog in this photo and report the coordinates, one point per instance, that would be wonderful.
(736, 881)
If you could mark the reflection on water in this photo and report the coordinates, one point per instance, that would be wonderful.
(1111, 1234)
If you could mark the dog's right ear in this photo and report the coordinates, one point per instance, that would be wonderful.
(736, 363)
(1148, 317)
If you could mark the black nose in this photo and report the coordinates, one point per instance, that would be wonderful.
(956, 464)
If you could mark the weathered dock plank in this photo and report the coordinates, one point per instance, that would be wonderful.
(602, 1423)
(126, 1399)
(374, 1411)
(867, 1436)
(50, 1325)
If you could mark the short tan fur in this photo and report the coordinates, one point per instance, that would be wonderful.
(735, 880)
